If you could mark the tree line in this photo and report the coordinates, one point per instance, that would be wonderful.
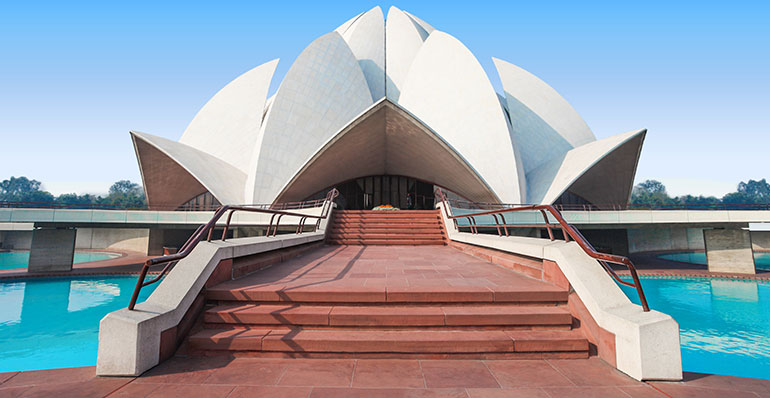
(653, 193)
(123, 193)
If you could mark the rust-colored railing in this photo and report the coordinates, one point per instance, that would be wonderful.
(568, 231)
(206, 231)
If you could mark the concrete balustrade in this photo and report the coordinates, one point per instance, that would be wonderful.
(131, 342)
(646, 344)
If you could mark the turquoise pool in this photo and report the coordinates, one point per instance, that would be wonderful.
(724, 323)
(54, 322)
(20, 258)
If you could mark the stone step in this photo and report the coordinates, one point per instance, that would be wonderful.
(395, 221)
(412, 341)
(334, 235)
(388, 213)
(375, 212)
(388, 216)
(385, 230)
(408, 216)
(381, 295)
(388, 316)
(385, 242)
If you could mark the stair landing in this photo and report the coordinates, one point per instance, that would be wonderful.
(387, 274)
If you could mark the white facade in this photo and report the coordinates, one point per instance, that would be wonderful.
(524, 145)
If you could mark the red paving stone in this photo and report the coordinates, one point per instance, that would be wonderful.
(393, 274)
(454, 373)
(318, 373)
(392, 373)
(527, 373)
(372, 378)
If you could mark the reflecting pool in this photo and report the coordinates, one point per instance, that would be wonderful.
(54, 322)
(20, 258)
(724, 323)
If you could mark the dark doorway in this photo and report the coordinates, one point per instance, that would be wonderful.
(365, 193)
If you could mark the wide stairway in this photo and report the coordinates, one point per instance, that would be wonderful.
(394, 227)
(392, 302)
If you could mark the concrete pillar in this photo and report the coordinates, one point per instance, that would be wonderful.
(761, 241)
(155, 242)
(52, 250)
(729, 250)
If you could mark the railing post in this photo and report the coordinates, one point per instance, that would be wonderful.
(138, 287)
(497, 224)
(505, 224)
(639, 291)
(267, 233)
(227, 225)
(548, 225)
(277, 222)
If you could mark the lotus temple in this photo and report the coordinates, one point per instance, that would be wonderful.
(386, 223)
(384, 111)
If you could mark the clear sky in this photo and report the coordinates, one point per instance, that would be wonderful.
(75, 77)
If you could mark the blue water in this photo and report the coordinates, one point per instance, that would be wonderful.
(54, 322)
(761, 260)
(20, 258)
(724, 323)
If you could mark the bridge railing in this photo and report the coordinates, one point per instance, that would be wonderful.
(568, 231)
(206, 231)
(155, 207)
(462, 204)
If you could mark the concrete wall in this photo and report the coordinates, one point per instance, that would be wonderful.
(159, 238)
(729, 250)
(115, 238)
(613, 241)
(666, 238)
(19, 240)
(52, 250)
(760, 240)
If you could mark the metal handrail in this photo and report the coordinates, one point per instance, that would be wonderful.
(568, 231)
(205, 231)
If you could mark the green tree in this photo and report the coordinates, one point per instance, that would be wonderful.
(77, 200)
(650, 193)
(697, 200)
(125, 193)
(22, 189)
(751, 192)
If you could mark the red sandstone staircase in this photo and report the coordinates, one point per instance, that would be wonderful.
(299, 313)
(396, 227)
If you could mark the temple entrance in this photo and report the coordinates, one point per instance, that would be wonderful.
(405, 193)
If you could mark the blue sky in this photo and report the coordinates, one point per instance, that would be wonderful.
(75, 77)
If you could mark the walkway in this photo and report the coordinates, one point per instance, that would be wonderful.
(370, 273)
(372, 378)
